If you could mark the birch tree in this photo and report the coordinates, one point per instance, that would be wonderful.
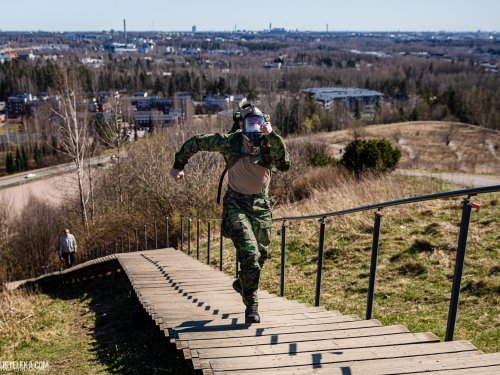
(72, 128)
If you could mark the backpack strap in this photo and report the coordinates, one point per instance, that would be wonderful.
(221, 180)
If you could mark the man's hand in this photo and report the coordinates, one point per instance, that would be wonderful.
(176, 174)
(266, 128)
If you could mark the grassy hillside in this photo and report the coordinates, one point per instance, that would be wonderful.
(415, 266)
(439, 146)
(416, 258)
(96, 328)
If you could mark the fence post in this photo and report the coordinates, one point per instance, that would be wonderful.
(116, 246)
(189, 236)
(145, 238)
(209, 228)
(321, 250)
(373, 264)
(128, 237)
(167, 242)
(156, 236)
(136, 239)
(283, 258)
(459, 266)
(198, 239)
(182, 233)
(221, 247)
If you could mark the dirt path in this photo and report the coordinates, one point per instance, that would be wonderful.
(456, 178)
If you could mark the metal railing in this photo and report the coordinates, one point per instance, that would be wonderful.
(130, 240)
(133, 243)
(183, 237)
(467, 206)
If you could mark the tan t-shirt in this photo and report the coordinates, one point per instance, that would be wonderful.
(246, 177)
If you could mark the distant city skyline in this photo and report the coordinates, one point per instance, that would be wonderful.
(219, 15)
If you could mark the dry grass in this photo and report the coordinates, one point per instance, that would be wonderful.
(439, 146)
(10, 128)
(416, 260)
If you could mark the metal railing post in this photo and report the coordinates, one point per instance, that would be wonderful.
(321, 250)
(136, 238)
(116, 246)
(283, 258)
(167, 242)
(221, 248)
(459, 266)
(182, 233)
(198, 239)
(373, 264)
(208, 241)
(145, 238)
(156, 235)
(121, 241)
(128, 237)
(189, 236)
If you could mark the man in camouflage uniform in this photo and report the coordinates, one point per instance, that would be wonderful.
(250, 154)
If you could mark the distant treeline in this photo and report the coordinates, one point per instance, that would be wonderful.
(414, 88)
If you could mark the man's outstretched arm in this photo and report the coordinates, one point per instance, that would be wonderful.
(201, 142)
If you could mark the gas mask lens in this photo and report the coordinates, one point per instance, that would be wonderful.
(252, 124)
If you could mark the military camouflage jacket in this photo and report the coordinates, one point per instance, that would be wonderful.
(273, 151)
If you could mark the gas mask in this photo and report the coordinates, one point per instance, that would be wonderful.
(252, 128)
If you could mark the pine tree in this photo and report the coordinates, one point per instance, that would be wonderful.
(18, 162)
(24, 159)
(9, 163)
(172, 89)
(37, 156)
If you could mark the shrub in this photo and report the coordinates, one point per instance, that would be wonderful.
(320, 160)
(374, 155)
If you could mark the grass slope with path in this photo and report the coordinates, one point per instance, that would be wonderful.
(433, 146)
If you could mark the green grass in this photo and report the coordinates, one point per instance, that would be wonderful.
(415, 267)
(96, 328)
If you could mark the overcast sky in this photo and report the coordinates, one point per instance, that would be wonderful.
(220, 15)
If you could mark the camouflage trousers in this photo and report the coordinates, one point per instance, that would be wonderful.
(246, 220)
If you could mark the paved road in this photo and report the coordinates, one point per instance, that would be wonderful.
(456, 178)
(44, 172)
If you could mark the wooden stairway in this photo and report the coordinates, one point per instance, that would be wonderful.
(203, 317)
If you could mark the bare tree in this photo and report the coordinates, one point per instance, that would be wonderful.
(113, 132)
(71, 119)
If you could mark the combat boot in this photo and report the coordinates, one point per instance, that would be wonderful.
(237, 286)
(252, 314)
